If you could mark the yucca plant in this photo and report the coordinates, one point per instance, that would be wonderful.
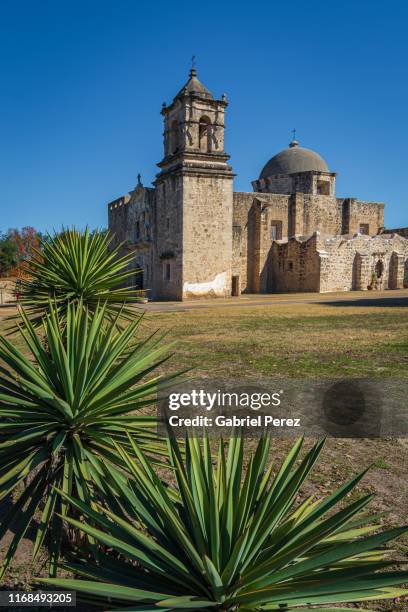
(62, 409)
(235, 537)
(75, 266)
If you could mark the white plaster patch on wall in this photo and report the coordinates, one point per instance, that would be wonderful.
(214, 287)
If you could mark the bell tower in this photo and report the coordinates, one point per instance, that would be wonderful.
(194, 198)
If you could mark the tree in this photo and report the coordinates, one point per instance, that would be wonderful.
(8, 254)
(16, 248)
(26, 241)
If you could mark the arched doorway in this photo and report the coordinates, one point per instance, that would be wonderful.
(379, 269)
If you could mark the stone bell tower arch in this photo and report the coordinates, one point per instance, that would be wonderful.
(194, 198)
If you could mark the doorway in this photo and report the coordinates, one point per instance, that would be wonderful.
(235, 288)
(139, 284)
(379, 268)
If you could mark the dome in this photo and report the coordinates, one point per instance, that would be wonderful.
(294, 159)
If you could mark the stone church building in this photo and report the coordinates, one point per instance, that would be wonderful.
(193, 236)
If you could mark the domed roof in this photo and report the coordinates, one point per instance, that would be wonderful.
(294, 159)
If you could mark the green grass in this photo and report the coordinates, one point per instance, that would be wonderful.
(382, 464)
(299, 340)
(295, 340)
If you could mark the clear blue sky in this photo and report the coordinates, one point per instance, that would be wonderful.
(82, 83)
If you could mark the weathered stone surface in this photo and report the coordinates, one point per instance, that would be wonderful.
(338, 263)
(402, 231)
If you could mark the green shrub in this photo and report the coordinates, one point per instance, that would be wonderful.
(231, 537)
(8, 254)
(64, 407)
(74, 266)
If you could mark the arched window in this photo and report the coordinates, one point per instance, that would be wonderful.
(204, 134)
(174, 137)
(379, 268)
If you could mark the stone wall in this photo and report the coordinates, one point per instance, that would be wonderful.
(207, 236)
(358, 212)
(321, 213)
(242, 203)
(339, 263)
(274, 212)
(131, 221)
(303, 182)
(299, 215)
(118, 216)
(313, 182)
(295, 266)
(402, 231)
(280, 183)
(324, 183)
(253, 217)
(168, 247)
(353, 261)
(7, 290)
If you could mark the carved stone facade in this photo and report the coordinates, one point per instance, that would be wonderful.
(193, 237)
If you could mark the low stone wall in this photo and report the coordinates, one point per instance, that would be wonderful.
(339, 263)
(7, 286)
(363, 262)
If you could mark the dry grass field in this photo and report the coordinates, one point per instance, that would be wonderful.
(288, 339)
(299, 340)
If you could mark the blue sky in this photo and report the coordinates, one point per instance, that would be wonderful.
(82, 83)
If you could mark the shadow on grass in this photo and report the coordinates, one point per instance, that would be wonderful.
(382, 302)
